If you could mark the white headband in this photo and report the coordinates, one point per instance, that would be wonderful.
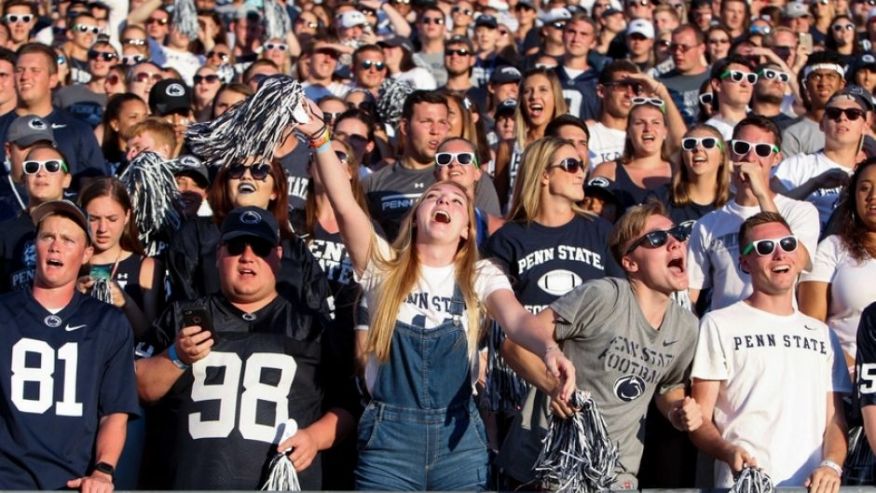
(824, 66)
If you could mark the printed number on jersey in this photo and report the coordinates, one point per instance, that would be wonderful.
(867, 378)
(239, 394)
(35, 366)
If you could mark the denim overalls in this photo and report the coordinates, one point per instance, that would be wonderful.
(422, 430)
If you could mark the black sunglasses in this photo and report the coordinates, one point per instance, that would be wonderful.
(656, 239)
(237, 246)
(51, 166)
(768, 246)
(691, 143)
(210, 79)
(367, 64)
(106, 56)
(459, 52)
(741, 148)
(222, 56)
(432, 20)
(559, 25)
(257, 171)
(569, 165)
(463, 158)
(851, 113)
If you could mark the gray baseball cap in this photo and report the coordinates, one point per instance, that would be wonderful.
(27, 130)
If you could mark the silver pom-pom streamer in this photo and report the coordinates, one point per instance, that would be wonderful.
(577, 454)
(282, 475)
(101, 290)
(253, 128)
(391, 99)
(185, 18)
(277, 21)
(154, 196)
(752, 480)
(505, 390)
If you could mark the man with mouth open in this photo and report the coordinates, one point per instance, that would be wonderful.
(628, 340)
(759, 361)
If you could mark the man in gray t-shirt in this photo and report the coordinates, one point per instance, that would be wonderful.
(628, 341)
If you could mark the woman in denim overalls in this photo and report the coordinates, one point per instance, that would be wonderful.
(421, 430)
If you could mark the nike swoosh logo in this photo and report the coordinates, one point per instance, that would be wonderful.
(810, 328)
(669, 343)
(75, 327)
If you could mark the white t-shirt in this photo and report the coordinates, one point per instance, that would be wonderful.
(722, 126)
(419, 77)
(183, 61)
(777, 373)
(713, 249)
(428, 304)
(851, 288)
(796, 170)
(606, 144)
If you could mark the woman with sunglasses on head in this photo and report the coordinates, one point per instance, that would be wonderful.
(424, 295)
(541, 100)
(840, 284)
(280, 52)
(843, 39)
(207, 84)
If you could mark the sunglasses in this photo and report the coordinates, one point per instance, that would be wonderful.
(639, 3)
(237, 246)
(51, 166)
(446, 158)
(257, 171)
(768, 246)
(680, 48)
(457, 10)
(222, 56)
(160, 22)
(106, 56)
(84, 28)
(276, 46)
(210, 79)
(762, 149)
(432, 20)
(367, 64)
(133, 59)
(458, 52)
(134, 42)
(719, 41)
(851, 113)
(839, 27)
(559, 25)
(569, 165)
(309, 25)
(691, 143)
(737, 76)
(706, 98)
(14, 19)
(659, 238)
(625, 85)
(145, 76)
(657, 102)
(770, 74)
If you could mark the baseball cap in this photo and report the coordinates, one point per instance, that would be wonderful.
(865, 59)
(62, 208)
(27, 130)
(795, 10)
(526, 3)
(506, 108)
(168, 96)
(352, 18)
(641, 26)
(455, 40)
(505, 74)
(253, 222)
(611, 11)
(397, 41)
(600, 187)
(486, 20)
(554, 15)
(855, 93)
(193, 167)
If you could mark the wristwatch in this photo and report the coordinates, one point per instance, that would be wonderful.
(105, 468)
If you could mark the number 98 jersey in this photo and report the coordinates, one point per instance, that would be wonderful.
(59, 374)
(217, 426)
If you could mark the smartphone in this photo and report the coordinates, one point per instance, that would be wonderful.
(806, 41)
(197, 315)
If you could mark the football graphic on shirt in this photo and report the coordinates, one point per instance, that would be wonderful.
(559, 282)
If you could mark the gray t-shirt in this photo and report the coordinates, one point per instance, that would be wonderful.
(619, 358)
(803, 137)
(685, 91)
(393, 190)
(435, 63)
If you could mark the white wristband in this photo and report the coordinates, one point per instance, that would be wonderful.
(832, 465)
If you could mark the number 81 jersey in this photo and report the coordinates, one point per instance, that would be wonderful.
(218, 423)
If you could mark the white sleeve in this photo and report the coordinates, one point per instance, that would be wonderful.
(698, 261)
(117, 15)
(803, 218)
(840, 381)
(490, 278)
(710, 359)
(825, 261)
(788, 172)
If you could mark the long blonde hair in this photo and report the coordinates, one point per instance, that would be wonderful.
(560, 108)
(526, 199)
(401, 271)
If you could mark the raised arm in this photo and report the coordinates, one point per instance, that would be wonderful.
(354, 225)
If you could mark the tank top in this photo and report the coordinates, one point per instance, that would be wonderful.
(127, 275)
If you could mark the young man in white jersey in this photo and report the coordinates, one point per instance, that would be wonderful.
(769, 379)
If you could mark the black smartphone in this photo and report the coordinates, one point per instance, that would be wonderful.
(197, 315)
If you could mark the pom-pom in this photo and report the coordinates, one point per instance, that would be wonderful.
(752, 480)
(277, 21)
(185, 18)
(505, 390)
(391, 99)
(282, 475)
(154, 196)
(101, 290)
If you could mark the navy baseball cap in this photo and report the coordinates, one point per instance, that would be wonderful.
(62, 208)
(252, 222)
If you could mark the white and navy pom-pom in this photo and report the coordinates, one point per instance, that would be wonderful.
(752, 480)
(101, 290)
(505, 389)
(185, 18)
(154, 195)
(577, 454)
(281, 473)
(391, 99)
(277, 21)
(253, 128)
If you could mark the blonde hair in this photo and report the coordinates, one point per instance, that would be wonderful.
(401, 271)
(560, 107)
(629, 153)
(681, 178)
(526, 199)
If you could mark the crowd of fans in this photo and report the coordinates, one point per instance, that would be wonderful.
(669, 204)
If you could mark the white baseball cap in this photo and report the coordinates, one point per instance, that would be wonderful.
(641, 26)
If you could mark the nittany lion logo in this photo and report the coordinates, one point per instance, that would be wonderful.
(175, 90)
(37, 124)
(250, 217)
(599, 181)
(629, 388)
(190, 161)
(28, 255)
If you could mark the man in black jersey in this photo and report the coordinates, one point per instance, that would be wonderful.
(66, 368)
(226, 386)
